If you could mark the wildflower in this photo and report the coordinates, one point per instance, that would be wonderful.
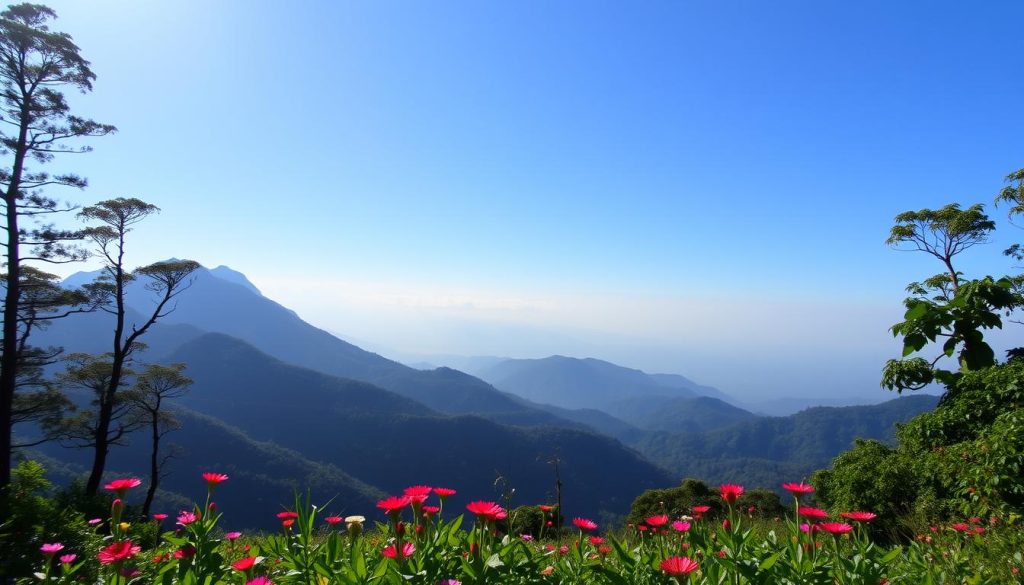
(444, 492)
(332, 520)
(287, 523)
(186, 552)
(484, 510)
(545, 508)
(261, 580)
(51, 549)
(859, 516)
(596, 540)
(810, 512)
(547, 570)
(394, 505)
(94, 521)
(726, 525)
(960, 527)
(244, 564)
(679, 565)
(418, 490)
(449, 582)
(124, 526)
(798, 489)
(68, 559)
(698, 510)
(185, 517)
(159, 517)
(428, 510)
(212, 479)
(122, 485)
(526, 537)
(354, 525)
(407, 549)
(117, 552)
(286, 515)
(584, 524)
(232, 535)
(680, 526)
(836, 527)
(656, 521)
(730, 492)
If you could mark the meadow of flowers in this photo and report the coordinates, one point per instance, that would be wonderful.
(416, 540)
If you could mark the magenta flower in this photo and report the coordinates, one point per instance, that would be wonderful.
(185, 517)
(51, 549)
(68, 559)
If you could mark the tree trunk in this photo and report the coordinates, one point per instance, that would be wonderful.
(154, 469)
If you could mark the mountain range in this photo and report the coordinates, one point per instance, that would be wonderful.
(283, 405)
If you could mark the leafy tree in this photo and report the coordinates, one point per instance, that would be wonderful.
(676, 501)
(153, 387)
(36, 123)
(945, 306)
(165, 280)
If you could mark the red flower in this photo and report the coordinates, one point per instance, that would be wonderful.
(726, 525)
(584, 524)
(287, 523)
(485, 510)
(244, 564)
(810, 512)
(730, 492)
(657, 520)
(286, 515)
(186, 552)
(212, 479)
(118, 551)
(596, 540)
(159, 517)
(418, 490)
(679, 565)
(798, 489)
(859, 516)
(701, 509)
(407, 549)
(836, 527)
(444, 492)
(960, 527)
(394, 505)
(332, 520)
(431, 510)
(120, 485)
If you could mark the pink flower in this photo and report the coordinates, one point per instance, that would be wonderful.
(701, 509)
(122, 485)
(680, 526)
(418, 490)
(394, 505)
(261, 580)
(798, 489)
(584, 524)
(407, 549)
(159, 517)
(244, 564)
(51, 549)
(68, 559)
(679, 565)
(730, 492)
(94, 521)
(332, 520)
(526, 537)
(212, 479)
(810, 512)
(232, 535)
(960, 527)
(485, 510)
(859, 516)
(660, 520)
(185, 517)
(287, 515)
(836, 527)
(117, 552)
(444, 492)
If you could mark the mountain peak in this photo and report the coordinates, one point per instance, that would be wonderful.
(224, 273)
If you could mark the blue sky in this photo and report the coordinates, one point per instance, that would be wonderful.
(673, 185)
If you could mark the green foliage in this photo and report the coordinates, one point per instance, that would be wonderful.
(765, 502)
(676, 501)
(35, 519)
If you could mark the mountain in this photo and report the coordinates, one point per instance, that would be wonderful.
(770, 450)
(222, 300)
(389, 441)
(676, 414)
(582, 383)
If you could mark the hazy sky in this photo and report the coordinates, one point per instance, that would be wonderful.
(693, 187)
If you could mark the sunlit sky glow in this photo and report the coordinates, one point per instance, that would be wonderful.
(691, 187)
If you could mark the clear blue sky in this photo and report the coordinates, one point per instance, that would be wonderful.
(662, 184)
